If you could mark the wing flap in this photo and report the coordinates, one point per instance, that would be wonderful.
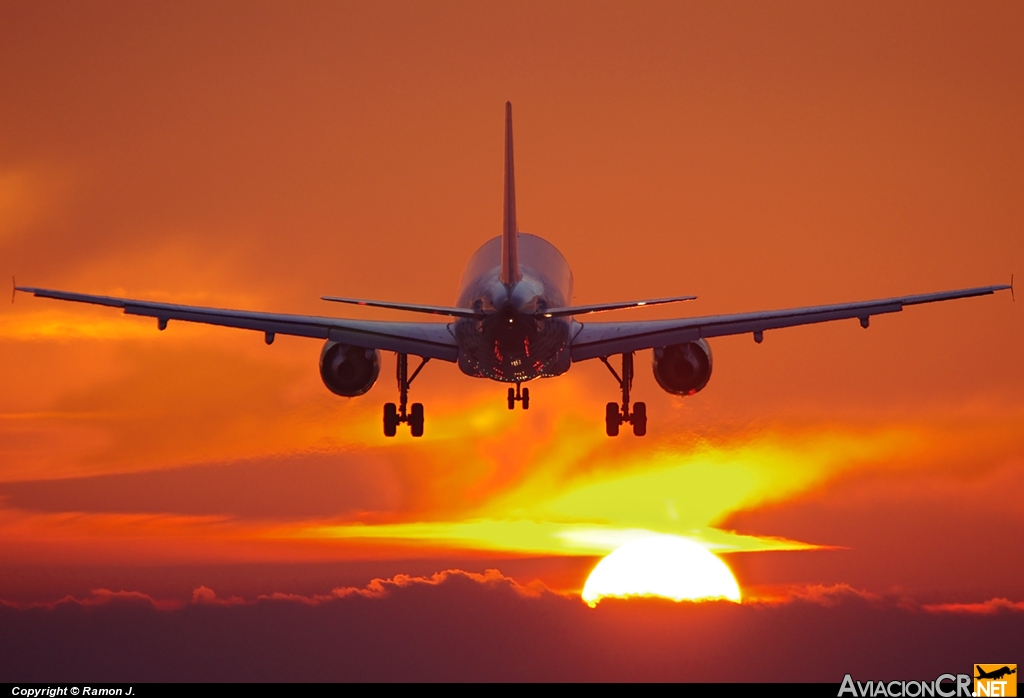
(605, 338)
(427, 339)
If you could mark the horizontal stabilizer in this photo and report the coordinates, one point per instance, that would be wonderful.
(602, 307)
(411, 307)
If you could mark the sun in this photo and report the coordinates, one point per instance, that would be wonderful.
(668, 566)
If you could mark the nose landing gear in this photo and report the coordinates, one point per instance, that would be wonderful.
(516, 395)
(614, 415)
(398, 414)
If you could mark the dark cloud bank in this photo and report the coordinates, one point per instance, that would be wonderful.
(458, 626)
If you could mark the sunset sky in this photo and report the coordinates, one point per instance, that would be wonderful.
(863, 486)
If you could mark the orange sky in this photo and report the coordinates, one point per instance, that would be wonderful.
(260, 155)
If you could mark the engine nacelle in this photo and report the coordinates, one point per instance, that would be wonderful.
(683, 369)
(347, 370)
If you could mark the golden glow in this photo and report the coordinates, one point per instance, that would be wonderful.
(529, 537)
(556, 509)
(59, 325)
(667, 566)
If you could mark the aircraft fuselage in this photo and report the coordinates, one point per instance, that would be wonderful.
(511, 344)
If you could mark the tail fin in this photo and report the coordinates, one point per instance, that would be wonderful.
(510, 273)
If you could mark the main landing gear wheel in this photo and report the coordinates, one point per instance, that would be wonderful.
(639, 419)
(612, 419)
(614, 415)
(397, 414)
(516, 395)
(390, 419)
(416, 419)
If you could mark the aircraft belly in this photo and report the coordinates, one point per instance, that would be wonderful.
(512, 356)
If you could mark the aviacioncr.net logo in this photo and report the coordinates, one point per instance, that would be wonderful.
(944, 686)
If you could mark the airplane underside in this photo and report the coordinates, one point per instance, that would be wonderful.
(513, 349)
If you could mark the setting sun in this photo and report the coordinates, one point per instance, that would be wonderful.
(668, 566)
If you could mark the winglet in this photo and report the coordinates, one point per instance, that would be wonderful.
(1012, 297)
(510, 273)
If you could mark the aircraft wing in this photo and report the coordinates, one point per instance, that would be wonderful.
(427, 339)
(595, 339)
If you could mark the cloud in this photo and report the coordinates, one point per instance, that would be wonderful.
(375, 589)
(101, 597)
(459, 625)
(986, 607)
(821, 594)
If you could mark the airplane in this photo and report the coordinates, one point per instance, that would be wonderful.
(995, 674)
(513, 322)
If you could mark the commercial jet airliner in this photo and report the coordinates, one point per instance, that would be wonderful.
(512, 323)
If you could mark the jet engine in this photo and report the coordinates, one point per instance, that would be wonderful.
(683, 369)
(347, 370)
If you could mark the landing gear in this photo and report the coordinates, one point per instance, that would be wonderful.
(639, 419)
(516, 395)
(612, 419)
(614, 416)
(390, 419)
(416, 419)
(397, 414)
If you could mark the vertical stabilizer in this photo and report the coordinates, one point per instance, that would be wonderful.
(510, 273)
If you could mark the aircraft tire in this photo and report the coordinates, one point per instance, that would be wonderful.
(612, 419)
(526, 398)
(390, 419)
(416, 419)
(511, 398)
(640, 419)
